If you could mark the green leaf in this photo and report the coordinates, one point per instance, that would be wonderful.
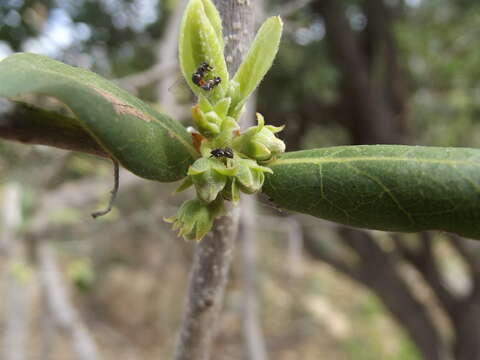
(384, 187)
(147, 143)
(214, 18)
(257, 62)
(200, 42)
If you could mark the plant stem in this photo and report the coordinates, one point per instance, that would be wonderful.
(30, 125)
(212, 258)
(208, 279)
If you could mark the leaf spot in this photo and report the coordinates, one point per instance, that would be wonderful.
(122, 108)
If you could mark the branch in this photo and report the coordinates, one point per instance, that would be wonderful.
(167, 55)
(63, 313)
(16, 295)
(30, 125)
(252, 331)
(144, 78)
(208, 279)
(378, 270)
(72, 195)
(424, 262)
(469, 252)
(316, 251)
(371, 120)
(212, 257)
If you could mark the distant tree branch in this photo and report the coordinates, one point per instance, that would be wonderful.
(316, 251)
(72, 195)
(65, 316)
(16, 296)
(290, 7)
(371, 119)
(470, 253)
(377, 270)
(424, 262)
(140, 79)
(30, 125)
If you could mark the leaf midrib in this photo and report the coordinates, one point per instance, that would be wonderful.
(325, 160)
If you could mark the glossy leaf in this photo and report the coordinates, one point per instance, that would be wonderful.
(144, 141)
(384, 187)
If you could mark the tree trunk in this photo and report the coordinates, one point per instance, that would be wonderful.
(466, 320)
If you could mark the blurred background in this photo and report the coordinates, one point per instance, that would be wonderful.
(348, 72)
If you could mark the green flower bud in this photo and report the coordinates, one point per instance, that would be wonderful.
(213, 122)
(259, 142)
(209, 176)
(195, 218)
(207, 123)
(231, 192)
(250, 176)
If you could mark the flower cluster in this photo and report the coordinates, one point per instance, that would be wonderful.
(230, 161)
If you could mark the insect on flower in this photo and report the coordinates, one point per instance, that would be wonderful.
(198, 77)
(222, 153)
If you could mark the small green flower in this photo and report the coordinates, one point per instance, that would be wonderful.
(229, 159)
(259, 142)
(250, 176)
(209, 176)
(195, 218)
(207, 123)
(231, 192)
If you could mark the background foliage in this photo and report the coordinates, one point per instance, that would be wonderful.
(327, 302)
